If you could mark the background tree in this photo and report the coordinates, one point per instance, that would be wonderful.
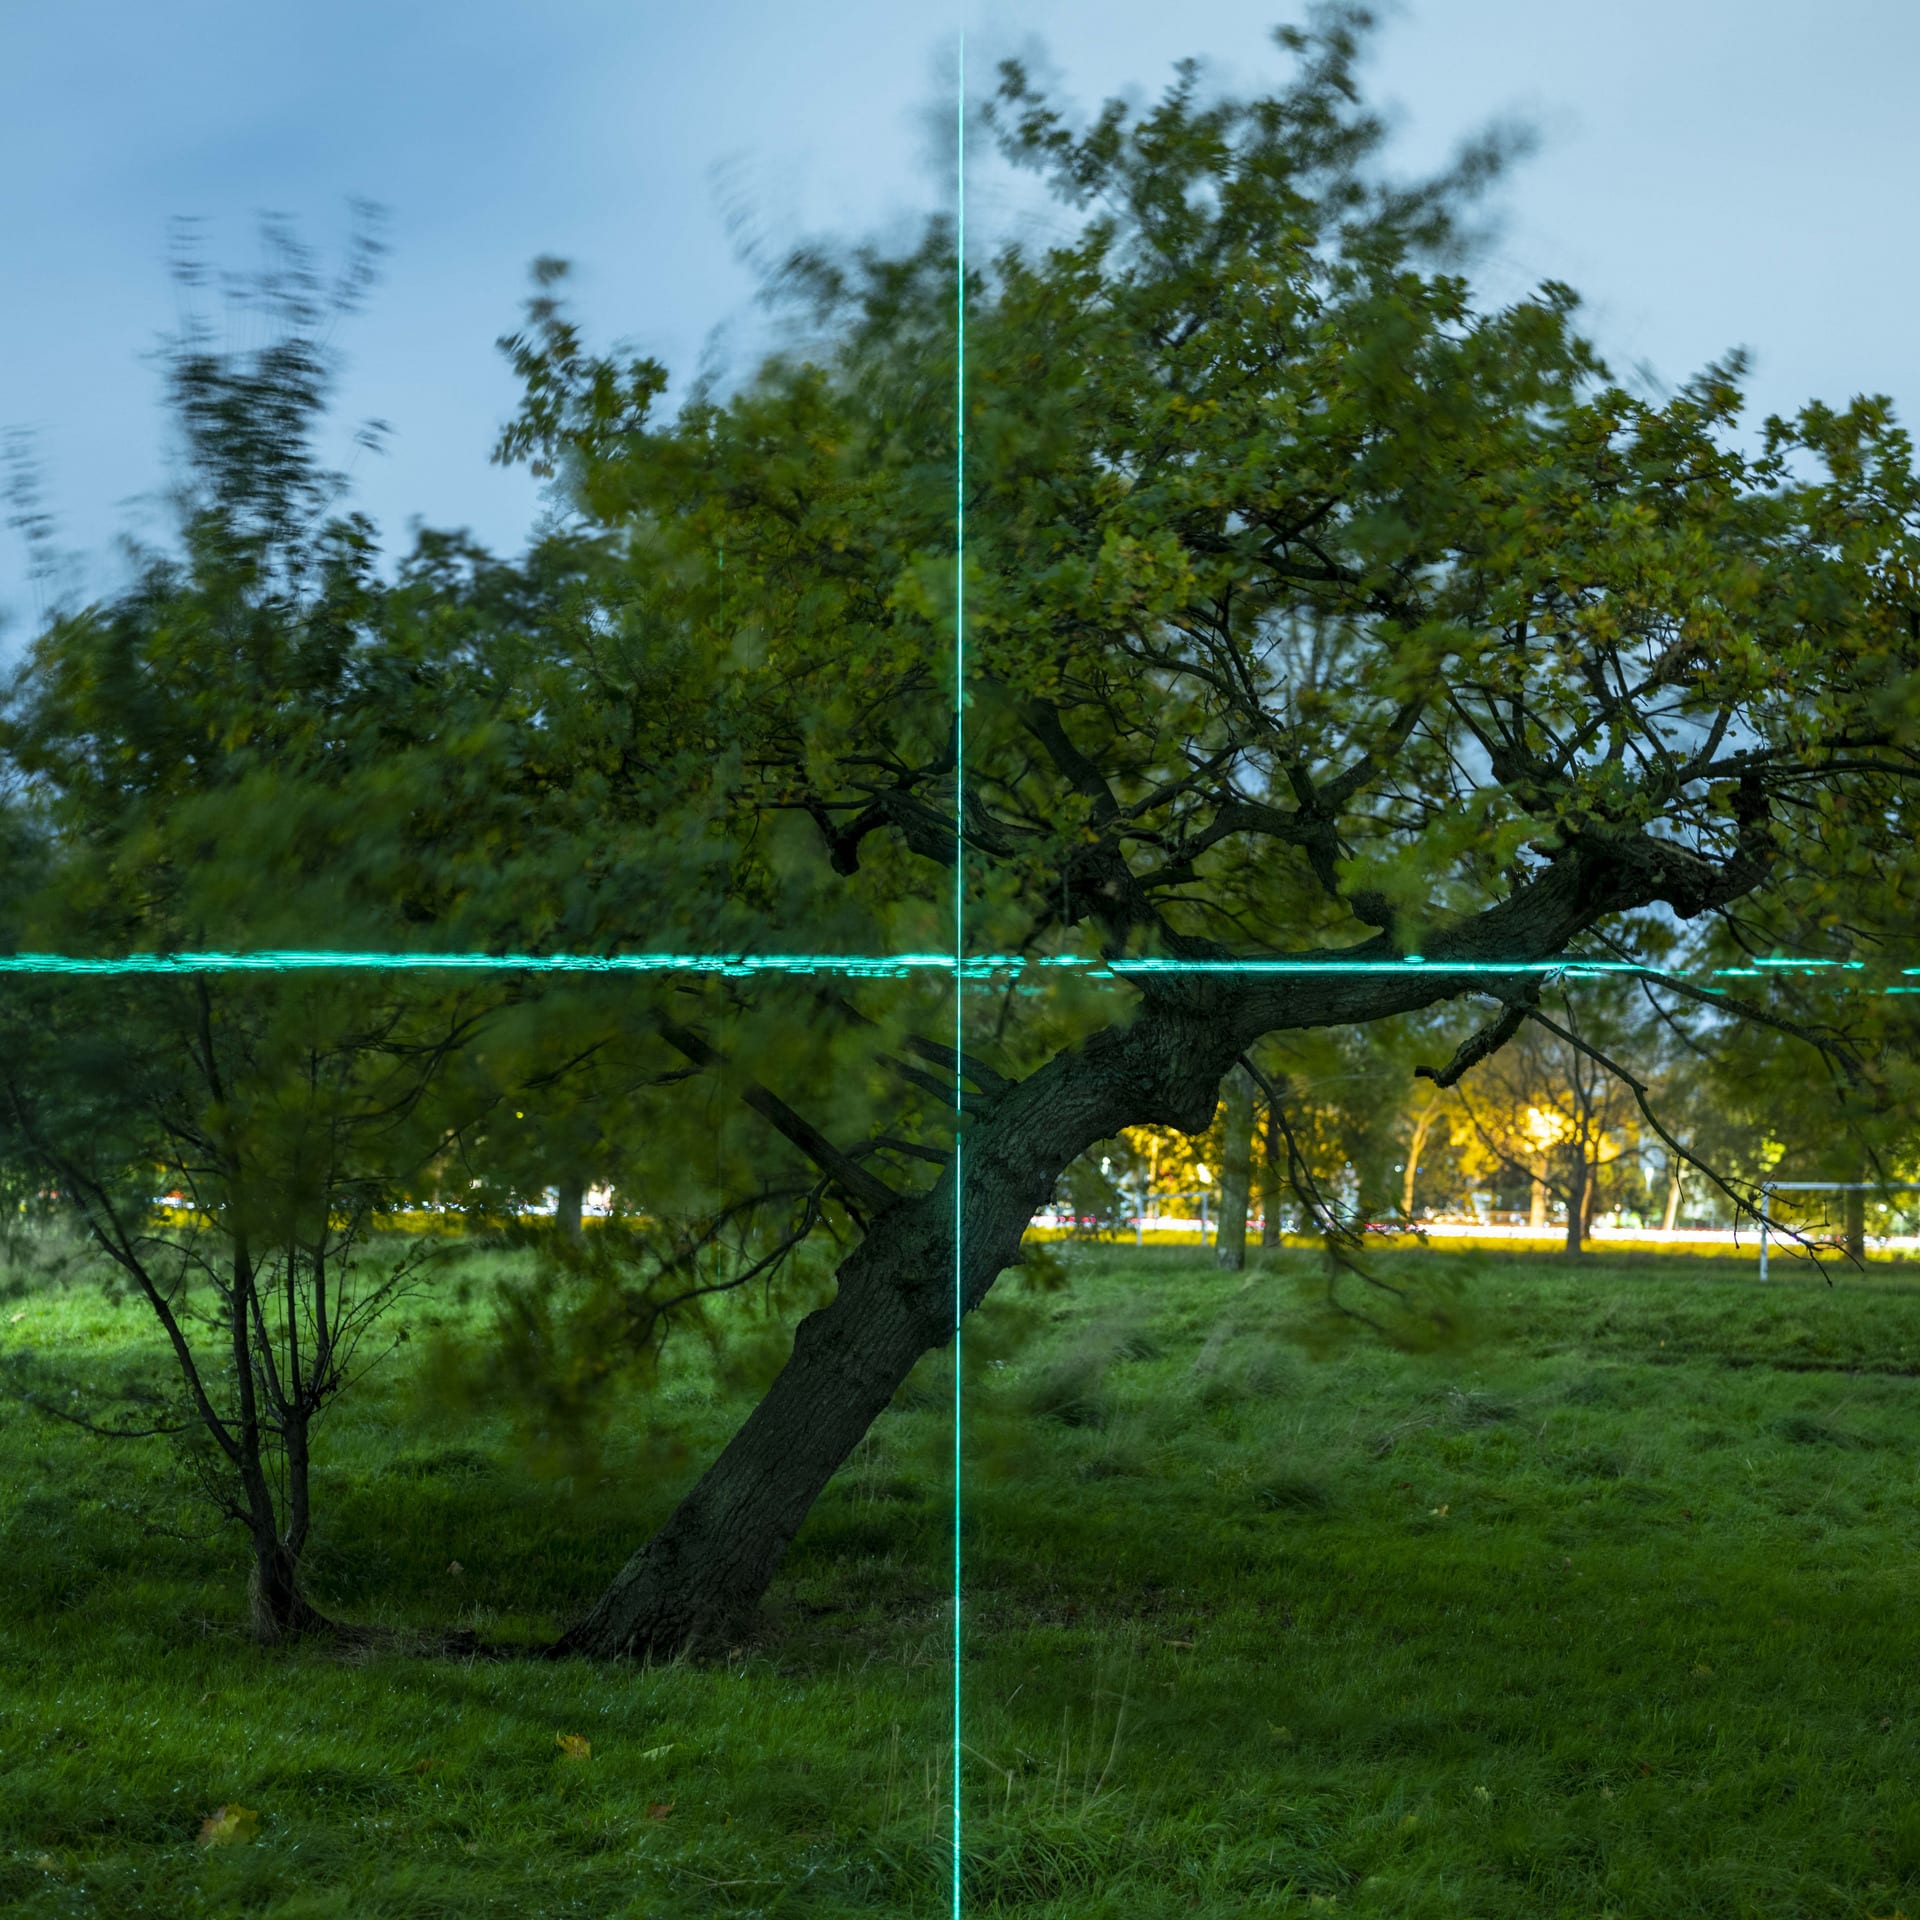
(1236, 1169)
(256, 747)
(1547, 1103)
(1851, 1119)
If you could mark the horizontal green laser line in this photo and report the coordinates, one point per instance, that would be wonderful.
(269, 961)
(871, 965)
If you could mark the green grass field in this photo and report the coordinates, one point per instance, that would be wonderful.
(1610, 1613)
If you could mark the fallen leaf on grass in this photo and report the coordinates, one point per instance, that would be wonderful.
(226, 1825)
(1703, 1671)
(425, 1766)
(574, 1746)
(1440, 1512)
(14, 1319)
(661, 1810)
(455, 1568)
(658, 1753)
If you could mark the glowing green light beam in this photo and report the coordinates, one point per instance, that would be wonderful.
(979, 966)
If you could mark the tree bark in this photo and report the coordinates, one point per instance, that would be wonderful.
(570, 1205)
(1270, 1179)
(1577, 1201)
(1236, 1172)
(1673, 1196)
(277, 1608)
(698, 1582)
(1537, 1211)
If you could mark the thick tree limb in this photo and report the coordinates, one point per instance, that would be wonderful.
(1042, 720)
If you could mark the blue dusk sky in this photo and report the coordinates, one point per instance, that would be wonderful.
(1711, 174)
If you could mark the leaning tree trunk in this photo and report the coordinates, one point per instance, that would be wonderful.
(701, 1577)
(698, 1582)
(1236, 1172)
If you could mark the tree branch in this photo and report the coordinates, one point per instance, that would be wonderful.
(853, 1180)
(1490, 1039)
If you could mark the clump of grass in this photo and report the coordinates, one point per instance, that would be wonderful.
(1475, 1409)
(1071, 1391)
(1293, 1493)
(1803, 1430)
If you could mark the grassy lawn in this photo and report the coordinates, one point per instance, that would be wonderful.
(1609, 1613)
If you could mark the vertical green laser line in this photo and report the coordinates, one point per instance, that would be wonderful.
(959, 845)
